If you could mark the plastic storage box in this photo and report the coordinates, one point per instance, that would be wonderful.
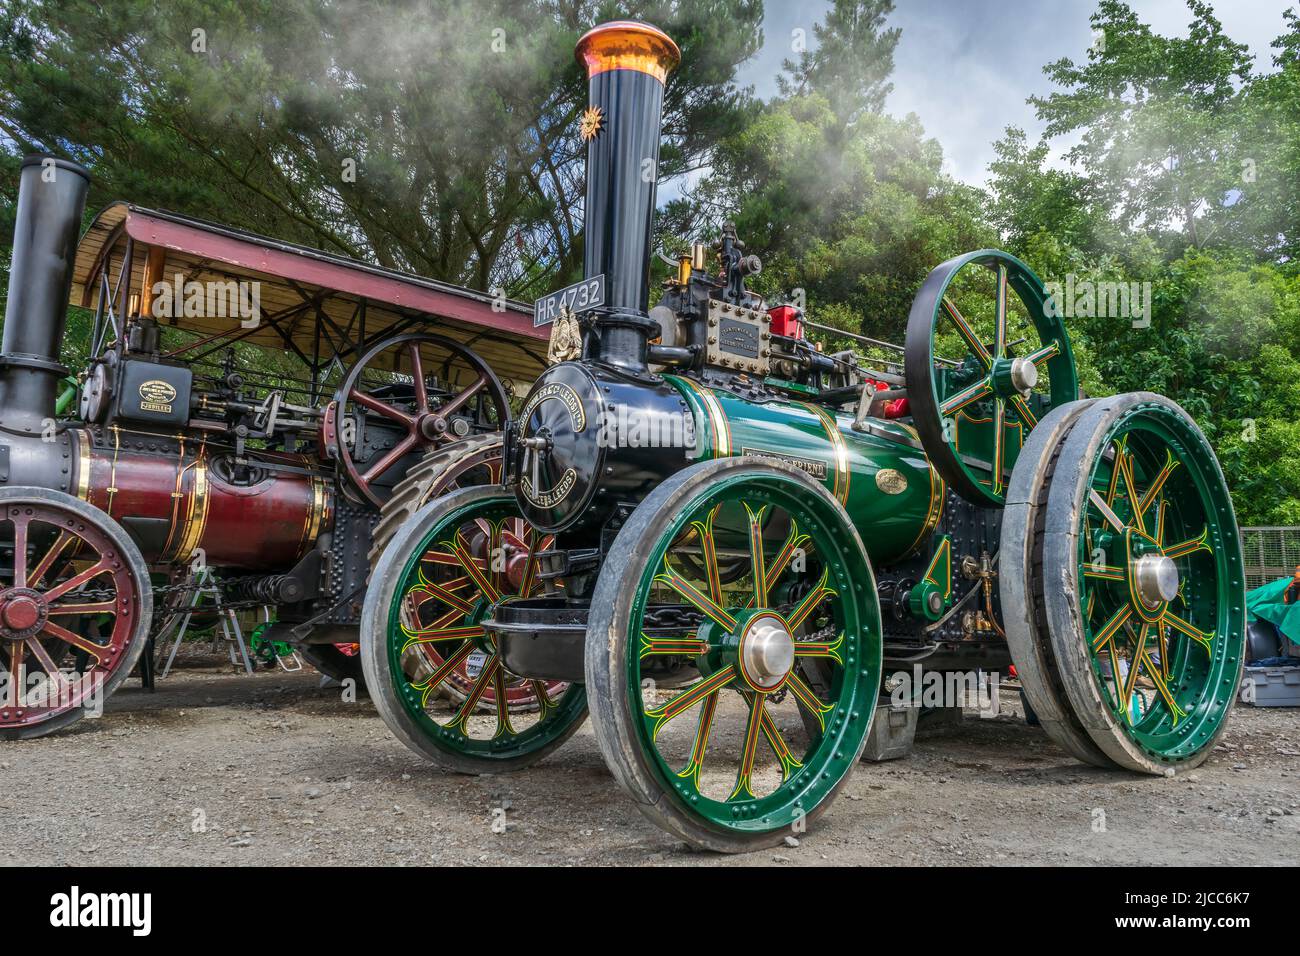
(1272, 686)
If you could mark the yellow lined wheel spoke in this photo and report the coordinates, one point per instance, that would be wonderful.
(772, 734)
(1158, 483)
(709, 549)
(794, 541)
(1204, 638)
(753, 727)
(809, 603)
(695, 763)
(1104, 572)
(756, 556)
(1000, 323)
(504, 727)
(970, 394)
(435, 634)
(695, 597)
(1139, 654)
(1045, 354)
(1108, 629)
(1023, 411)
(687, 646)
(689, 698)
(811, 702)
(968, 334)
(1176, 713)
(449, 665)
(544, 702)
(1130, 489)
(999, 443)
(829, 649)
(485, 678)
(477, 572)
(1183, 548)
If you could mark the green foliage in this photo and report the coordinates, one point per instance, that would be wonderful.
(1185, 173)
(436, 136)
(1185, 177)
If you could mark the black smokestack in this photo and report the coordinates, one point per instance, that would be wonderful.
(627, 65)
(51, 200)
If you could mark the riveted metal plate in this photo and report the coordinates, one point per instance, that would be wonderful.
(738, 338)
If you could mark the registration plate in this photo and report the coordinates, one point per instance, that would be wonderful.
(579, 297)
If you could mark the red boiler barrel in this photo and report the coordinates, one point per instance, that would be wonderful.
(176, 496)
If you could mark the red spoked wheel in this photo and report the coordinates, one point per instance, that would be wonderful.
(506, 552)
(74, 610)
(407, 395)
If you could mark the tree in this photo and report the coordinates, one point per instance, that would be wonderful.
(436, 136)
(1266, 216)
(852, 61)
(839, 200)
(1157, 118)
(1156, 196)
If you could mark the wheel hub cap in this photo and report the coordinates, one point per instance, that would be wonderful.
(1156, 577)
(766, 652)
(22, 613)
(432, 426)
(1024, 374)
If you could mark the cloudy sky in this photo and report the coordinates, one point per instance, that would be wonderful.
(966, 67)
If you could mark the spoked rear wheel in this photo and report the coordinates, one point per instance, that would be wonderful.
(1142, 583)
(741, 771)
(421, 628)
(74, 610)
(1020, 572)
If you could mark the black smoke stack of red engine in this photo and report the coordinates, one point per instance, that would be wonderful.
(51, 200)
(627, 65)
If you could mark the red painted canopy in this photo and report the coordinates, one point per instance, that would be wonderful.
(317, 305)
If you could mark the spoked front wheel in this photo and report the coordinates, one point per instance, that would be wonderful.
(74, 610)
(421, 630)
(726, 762)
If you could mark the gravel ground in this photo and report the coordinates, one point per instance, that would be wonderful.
(216, 768)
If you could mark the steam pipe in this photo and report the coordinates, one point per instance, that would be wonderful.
(51, 200)
(627, 65)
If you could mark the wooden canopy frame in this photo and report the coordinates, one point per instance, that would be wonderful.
(320, 307)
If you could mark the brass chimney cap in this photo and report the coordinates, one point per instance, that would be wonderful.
(628, 45)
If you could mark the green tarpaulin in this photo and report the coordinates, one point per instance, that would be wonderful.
(1265, 602)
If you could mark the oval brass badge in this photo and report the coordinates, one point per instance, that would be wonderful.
(891, 482)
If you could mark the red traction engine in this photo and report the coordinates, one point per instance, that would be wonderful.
(174, 474)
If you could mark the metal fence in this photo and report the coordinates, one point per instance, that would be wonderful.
(1270, 552)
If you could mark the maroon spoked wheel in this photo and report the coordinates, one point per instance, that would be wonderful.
(473, 462)
(409, 394)
(518, 543)
(75, 608)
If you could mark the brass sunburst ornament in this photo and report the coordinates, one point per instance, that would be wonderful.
(592, 120)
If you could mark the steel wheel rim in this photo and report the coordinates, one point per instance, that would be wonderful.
(807, 778)
(70, 562)
(1188, 651)
(434, 637)
(982, 406)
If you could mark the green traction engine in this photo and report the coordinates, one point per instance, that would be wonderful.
(730, 546)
